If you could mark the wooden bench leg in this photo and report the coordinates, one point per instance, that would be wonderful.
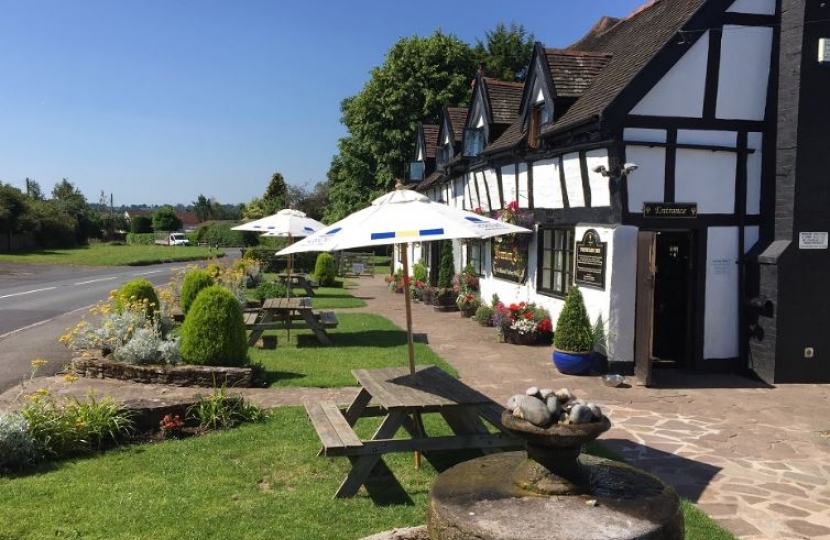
(362, 466)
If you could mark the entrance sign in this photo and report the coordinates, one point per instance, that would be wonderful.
(670, 210)
(812, 240)
(590, 260)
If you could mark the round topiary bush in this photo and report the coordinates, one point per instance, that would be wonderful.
(325, 270)
(17, 447)
(137, 291)
(194, 281)
(213, 333)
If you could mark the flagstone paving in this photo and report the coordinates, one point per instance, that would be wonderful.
(753, 457)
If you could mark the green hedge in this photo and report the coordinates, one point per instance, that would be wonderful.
(141, 238)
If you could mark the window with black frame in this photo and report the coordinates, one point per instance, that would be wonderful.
(556, 260)
(475, 256)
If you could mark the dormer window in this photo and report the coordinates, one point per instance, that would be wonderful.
(473, 142)
(539, 116)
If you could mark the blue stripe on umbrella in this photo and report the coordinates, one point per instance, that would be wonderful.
(407, 234)
(473, 219)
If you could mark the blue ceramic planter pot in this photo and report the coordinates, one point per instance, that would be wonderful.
(571, 363)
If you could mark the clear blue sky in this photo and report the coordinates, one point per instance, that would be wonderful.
(158, 101)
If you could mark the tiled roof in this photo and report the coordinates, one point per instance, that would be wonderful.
(573, 71)
(511, 137)
(632, 41)
(457, 118)
(429, 181)
(430, 139)
(505, 99)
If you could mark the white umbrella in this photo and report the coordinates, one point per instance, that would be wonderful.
(286, 222)
(400, 217)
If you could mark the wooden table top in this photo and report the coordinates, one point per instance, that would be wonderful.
(286, 303)
(429, 387)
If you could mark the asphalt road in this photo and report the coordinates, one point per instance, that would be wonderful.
(38, 303)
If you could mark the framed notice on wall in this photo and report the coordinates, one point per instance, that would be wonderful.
(509, 262)
(591, 260)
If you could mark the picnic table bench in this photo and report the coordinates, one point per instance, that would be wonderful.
(400, 398)
(298, 280)
(288, 313)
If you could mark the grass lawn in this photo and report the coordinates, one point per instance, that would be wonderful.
(361, 340)
(324, 297)
(258, 481)
(112, 255)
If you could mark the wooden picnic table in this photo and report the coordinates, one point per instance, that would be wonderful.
(288, 313)
(400, 398)
(297, 280)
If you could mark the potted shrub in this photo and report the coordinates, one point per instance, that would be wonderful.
(468, 303)
(447, 293)
(573, 340)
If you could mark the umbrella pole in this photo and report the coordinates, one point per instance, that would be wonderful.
(290, 267)
(416, 417)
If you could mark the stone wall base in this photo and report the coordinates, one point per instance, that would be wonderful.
(95, 366)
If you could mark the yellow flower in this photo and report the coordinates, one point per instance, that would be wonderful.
(39, 362)
(70, 377)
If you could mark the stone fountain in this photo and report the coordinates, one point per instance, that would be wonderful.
(552, 491)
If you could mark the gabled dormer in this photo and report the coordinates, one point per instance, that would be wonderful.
(450, 134)
(423, 163)
(493, 108)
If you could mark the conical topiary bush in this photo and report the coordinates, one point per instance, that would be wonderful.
(573, 327)
(213, 333)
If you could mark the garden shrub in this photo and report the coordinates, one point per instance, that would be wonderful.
(221, 411)
(419, 273)
(213, 333)
(484, 315)
(136, 292)
(270, 289)
(62, 429)
(16, 444)
(213, 270)
(574, 332)
(325, 270)
(194, 281)
(446, 266)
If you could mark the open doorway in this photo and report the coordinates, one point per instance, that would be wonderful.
(673, 299)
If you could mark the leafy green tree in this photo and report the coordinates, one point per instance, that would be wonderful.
(313, 203)
(12, 208)
(69, 199)
(33, 190)
(255, 209)
(203, 208)
(165, 219)
(275, 197)
(52, 227)
(418, 76)
(505, 52)
(141, 225)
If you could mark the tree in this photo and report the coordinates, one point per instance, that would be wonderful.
(418, 76)
(141, 225)
(69, 199)
(506, 52)
(203, 208)
(276, 194)
(165, 219)
(12, 208)
(33, 190)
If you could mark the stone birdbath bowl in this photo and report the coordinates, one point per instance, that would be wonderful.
(552, 466)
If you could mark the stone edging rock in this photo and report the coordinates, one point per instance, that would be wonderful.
(183, 375)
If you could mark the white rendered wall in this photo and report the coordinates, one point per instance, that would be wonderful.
(720, 335)
(524, 187)
(508, 182)
(644, 135)
(758, 7)
(483, 199)
(573, 180)
(744, 72)
(680, 92)
(600, 192)
(546, 189)
(647, 183)
(705, 136)
(615, 304)
(706, 178)
(753, 173)
(492, 187)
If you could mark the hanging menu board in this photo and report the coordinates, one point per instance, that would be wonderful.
(509, 262)
(590, 260)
